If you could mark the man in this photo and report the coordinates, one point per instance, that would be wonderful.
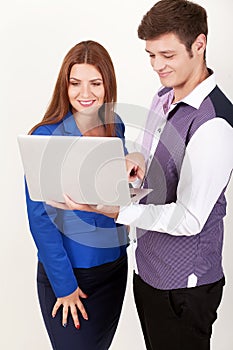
(180, 279)
(187, 144)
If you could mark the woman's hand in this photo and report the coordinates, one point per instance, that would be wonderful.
(107, 210)
(135, 165)
(71, 302)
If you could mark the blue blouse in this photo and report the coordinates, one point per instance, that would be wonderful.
(68, 239)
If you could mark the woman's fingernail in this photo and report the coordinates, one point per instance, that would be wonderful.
(78, 326)
(53, 316)
(65, 325)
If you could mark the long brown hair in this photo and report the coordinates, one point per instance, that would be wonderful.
(89, 52)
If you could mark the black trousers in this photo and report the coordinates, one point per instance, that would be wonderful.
(105, 286)
(179, 319)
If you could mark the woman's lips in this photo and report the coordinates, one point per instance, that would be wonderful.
(87, 103)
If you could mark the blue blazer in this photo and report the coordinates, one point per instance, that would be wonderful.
(68, 239)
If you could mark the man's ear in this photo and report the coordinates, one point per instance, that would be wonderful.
(199, 45)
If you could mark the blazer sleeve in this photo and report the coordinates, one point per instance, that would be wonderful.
(48, 239)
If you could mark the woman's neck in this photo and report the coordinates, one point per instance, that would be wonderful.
(89, 125)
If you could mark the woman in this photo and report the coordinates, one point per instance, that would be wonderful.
(82, 267)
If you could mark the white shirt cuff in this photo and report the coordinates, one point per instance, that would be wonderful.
(129, 214)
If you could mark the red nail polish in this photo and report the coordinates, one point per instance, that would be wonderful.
(78, 326)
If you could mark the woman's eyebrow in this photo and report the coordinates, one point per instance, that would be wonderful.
(91, 80)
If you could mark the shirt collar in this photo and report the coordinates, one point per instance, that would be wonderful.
(197, 95)
(70, 125)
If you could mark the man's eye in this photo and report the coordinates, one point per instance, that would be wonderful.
(168, 56)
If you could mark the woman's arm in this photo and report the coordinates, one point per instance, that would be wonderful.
(51, 252)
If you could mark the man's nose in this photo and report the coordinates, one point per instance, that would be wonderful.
(158, 64)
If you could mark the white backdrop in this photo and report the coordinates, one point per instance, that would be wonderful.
(35, 36)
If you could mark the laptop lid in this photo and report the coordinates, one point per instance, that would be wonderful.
(89, 169)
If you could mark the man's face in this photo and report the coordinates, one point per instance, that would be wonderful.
(175, 66)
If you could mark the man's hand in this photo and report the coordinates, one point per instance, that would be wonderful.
(135, 165)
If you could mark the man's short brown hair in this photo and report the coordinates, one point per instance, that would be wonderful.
(183, 18)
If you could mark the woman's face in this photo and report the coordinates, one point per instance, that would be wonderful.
(86, 89)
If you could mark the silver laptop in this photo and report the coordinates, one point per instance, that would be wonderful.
(90, 170)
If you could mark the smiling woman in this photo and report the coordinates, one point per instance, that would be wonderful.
(87, 69)
(81, 285)
(85, 87)
(86, 94)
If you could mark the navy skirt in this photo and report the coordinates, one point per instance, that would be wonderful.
(105, 286)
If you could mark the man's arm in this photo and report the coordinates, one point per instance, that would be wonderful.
(205, 172)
